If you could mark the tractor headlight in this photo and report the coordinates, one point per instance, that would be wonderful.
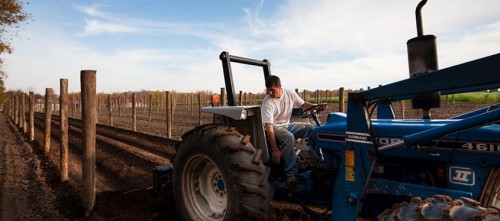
(244, 114)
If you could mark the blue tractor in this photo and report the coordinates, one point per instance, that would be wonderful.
(355, 164)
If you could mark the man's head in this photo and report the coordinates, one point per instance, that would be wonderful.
(273, 86)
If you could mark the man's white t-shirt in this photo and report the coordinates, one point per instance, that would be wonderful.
(278, 111)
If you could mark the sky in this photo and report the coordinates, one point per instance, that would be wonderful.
(174, 45)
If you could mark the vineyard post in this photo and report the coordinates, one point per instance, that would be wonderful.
(222, 97)
(119, 105)
(25, 105)
(317, 97)
(110, 111)
(48, 112)
(23, 115)
(19, 110)
(157, 103)
(150, 105)
(32, 115)
(341, 100)
(134, 112)
(9, 108)
(191, 98)
(16, 109)
(168, 98)
(63, 113)
(72, 106)
(403, 107)
(173, 105)
(89, 117)
(54, 109)
(240, 102)
(99, 104)
(12, 108)
(199, 108)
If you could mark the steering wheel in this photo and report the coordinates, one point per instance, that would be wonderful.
(311, 111)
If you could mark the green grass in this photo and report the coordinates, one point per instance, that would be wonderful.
(472, 97)
(477, 97)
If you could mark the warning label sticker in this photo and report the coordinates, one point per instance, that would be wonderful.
(349, 165)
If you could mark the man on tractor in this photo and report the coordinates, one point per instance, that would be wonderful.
(277, 108)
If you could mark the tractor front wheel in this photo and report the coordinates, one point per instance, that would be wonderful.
(219, 175)
(440, 207)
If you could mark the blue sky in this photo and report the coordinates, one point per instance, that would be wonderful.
(174, 45)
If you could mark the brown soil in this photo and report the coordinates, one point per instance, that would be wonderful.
(30, 184)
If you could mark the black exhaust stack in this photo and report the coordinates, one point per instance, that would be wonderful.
(422, 59)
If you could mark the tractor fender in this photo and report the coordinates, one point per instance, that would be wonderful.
(234, 112)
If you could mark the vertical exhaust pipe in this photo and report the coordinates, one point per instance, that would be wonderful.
(422, 59)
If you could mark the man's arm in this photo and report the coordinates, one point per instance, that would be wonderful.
(308, 105)
(275, 151)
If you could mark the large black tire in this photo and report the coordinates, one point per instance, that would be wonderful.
(219, 175)
(440, 207)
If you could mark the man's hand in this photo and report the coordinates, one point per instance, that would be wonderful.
(275, 151)
(321, 107)
(276, 156)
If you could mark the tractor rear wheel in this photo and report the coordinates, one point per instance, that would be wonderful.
(219, 175)
(439, 207)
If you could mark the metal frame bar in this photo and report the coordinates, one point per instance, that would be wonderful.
(228, 75)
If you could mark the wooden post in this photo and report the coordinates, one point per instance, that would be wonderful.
(99, 104)
(73, 107)
(318, 97)
(119, 100)
(12, 107)
(173, 105)
(200, 122)
(240, 102)
(16, 109)
(222, 97)
(32, 115)
(191, 98)
(89, 117)
(168, 112)
(150, 105)
(23, 114)
(341, 100)
(403, 108)
(134, 112)
(48, 113)
(157, 104)
(110, 111)
(63, 113)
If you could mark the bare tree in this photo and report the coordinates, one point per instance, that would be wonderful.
(11, 16)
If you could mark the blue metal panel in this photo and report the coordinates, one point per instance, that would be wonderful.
(465, 124)
(385, 111)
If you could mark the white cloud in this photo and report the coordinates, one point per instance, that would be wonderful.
(311, 44)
